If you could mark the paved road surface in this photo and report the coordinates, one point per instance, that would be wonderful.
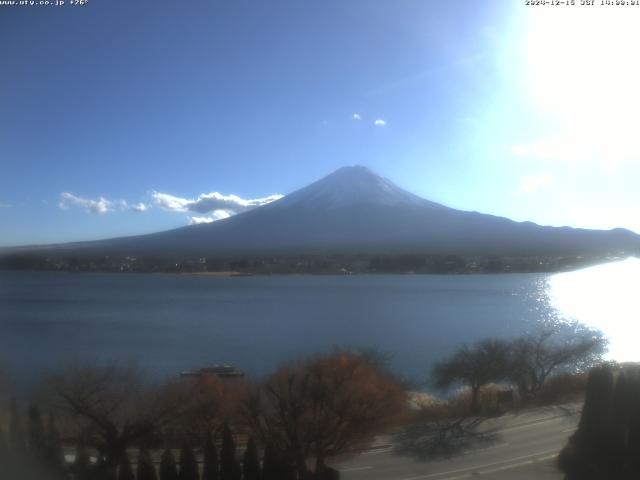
(525, 450)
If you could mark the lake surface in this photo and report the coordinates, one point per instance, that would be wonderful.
(170, 322)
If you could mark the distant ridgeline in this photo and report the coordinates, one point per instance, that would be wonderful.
(351, 221)
(311, 264)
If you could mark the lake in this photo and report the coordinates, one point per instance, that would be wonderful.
(168, 323)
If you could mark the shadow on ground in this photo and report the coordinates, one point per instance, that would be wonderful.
(436, 440)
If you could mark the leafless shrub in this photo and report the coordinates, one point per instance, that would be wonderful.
(115, 405)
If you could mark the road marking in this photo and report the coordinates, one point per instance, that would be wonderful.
(477, 473)
(515, 465)
(495, 445)
(377, 451)
(526, 425)
(474, 469)
(355, 469)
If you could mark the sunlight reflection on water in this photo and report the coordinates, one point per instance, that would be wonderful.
(605, 297)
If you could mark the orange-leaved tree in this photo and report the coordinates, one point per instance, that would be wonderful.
(324, 406)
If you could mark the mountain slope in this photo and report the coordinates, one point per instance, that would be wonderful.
(353, 210)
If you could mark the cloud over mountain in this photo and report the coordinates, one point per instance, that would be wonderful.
(210, 203)
(216, 215)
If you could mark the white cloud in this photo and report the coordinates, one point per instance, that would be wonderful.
(169, 202)
(380, 123)
(210, 202)
(100, 206)
(216, 215)
(199, 220)
(214, 206)
(356, 116)
(140, 207)
(533, 183)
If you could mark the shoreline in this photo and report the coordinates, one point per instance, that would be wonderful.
(230, 273)
(552, 268)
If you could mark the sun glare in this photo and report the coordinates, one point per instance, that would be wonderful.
(604, 297)
(583, 74)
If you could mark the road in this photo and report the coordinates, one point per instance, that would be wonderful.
(525, 449)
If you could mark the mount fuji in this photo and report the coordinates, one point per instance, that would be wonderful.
(353, 210)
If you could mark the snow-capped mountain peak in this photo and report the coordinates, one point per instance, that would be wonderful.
(352, 185)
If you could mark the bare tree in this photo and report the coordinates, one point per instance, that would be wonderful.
(322, 407)
(474, 366)
(555, 347)
(115, 406)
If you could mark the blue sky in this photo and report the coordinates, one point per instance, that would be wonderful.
(124, 117)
